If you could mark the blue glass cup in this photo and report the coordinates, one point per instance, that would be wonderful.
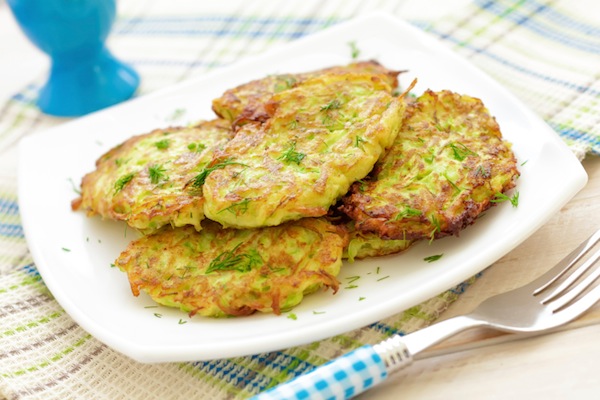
(84, 75)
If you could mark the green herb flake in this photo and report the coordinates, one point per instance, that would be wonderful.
(181, 322)
(122, 182)
(460, 151)
(407, 213)
(385, 277)
(158, 315)
(197, 147)
(358, 142)
(199, 179)
(66, 250)
(156, 173)
(433, 258)
(318, 312)
(292, 316)
(292, 156)
(162, 144)
(237, 208)
(361, 298)
(501, 197)
(76, 189)
(354, 50)
(230, 261)
(332, 105)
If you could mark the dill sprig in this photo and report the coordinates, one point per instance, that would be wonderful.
(461, 151)
(230, 261)
(433, 258)
(199, 179)
(292, 156)
(156, 173)
(122, 182)
(332, 105)
(501, 197)
(162, 144)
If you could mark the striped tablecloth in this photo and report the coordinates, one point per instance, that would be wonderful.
(545, 52)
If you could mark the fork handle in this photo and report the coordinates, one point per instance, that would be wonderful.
(338, 379)
(367, 366)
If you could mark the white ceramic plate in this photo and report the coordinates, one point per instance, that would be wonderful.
(74, 253)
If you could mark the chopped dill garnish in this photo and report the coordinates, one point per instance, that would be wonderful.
(156, 173)
(197, 147)
(385, 277)
(177, 113)
(74, 186)
(408, 212)
(501, 197)
(284, 82)
(157, 315)
(66, 250)
(292, 316)
(433, 258)
(354, 50)
(458, 190)
(361, 298)
(229, 261)
(318, 312)
(292, 156)
(352, 279)
(150, 306)
(436, 227)
(199, 179)
(240, 206)
(122, 182)
(359, 141)
(461, 151)
(181, 322)
(332, 105)
(162, 144)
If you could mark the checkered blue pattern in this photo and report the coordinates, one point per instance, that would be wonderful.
(342, 378)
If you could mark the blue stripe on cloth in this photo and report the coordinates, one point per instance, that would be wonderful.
(386, 329)
(11, 230)
(481, 51)
(31, 270)
(242, 376)
(522, 16)
(8, 207)
(222, 26)
(577, 135)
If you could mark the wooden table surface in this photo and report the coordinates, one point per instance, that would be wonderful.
(484, 364)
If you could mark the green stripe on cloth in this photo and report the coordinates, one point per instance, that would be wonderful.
(45, 354)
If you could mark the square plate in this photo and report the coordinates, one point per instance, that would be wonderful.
(74, 253)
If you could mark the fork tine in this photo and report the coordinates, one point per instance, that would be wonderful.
(580, 287)
(543, 282)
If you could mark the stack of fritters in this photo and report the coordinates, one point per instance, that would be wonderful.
(299, 171)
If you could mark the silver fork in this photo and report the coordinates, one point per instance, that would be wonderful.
(557, 297)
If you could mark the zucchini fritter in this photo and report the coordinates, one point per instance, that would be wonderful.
(367, 244)
(447, 165)
(218, 272)
(145, 180)
(322, 135)
(247, 102)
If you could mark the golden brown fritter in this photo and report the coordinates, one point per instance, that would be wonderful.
(218, 272)
(367, 244)
(145, 180)
(247, 102)
(322, 135)
(447, 165)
